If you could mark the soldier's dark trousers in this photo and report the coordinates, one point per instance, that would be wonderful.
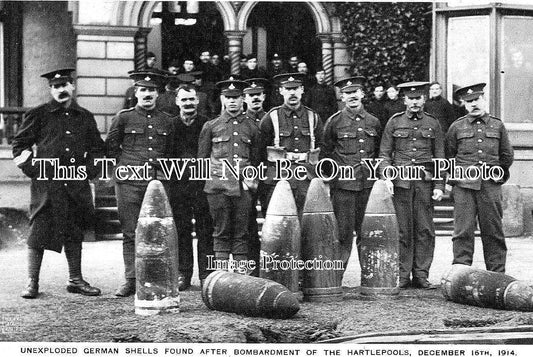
(484, 205)
(254, 244)
(129, 201)
(349, 208)
(35, 258)
(188, 201)
(414, 210)
(73, 254)
(231, 219)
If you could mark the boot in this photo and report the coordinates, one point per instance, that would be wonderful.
(76, 284)
(127, 289)
(35, 257)
(32, 289)
(184, 282)
(79, 286)
(129, 286)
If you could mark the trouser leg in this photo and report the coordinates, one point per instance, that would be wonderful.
(254, 244)
(129, 201)
(204, 234)
(240, 219)
(424, 230)
(220, 209)
(343, 207)
(73, 255)
(403, 204)
(35, 258)
(464, 217)
(490, 224)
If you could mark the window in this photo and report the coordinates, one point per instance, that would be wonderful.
(468, 47)
(516, 73)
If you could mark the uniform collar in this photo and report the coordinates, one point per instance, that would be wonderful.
(411, 115)
(288, 111)
(255, 115)
(54, 106)
(353, 113)
(484, 118)
(143, 111)
(226, 117)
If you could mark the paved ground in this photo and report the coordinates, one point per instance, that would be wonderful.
(59, 316)
(102, 265)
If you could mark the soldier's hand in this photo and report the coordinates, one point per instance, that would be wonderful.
(390, 186)
(437, 194)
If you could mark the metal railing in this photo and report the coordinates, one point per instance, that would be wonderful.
(10, 120)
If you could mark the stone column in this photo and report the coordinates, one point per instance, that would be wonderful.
(104, 56)
(327, 56)
(235, 49)
(140, 48)
(341, 57)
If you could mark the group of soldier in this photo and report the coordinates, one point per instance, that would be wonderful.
(224, 210)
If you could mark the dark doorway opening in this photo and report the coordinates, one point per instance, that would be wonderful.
(207, 34)
(290, 30)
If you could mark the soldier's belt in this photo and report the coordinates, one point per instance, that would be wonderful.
(279, 153)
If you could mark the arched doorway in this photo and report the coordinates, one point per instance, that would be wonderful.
(284, 28)
(179, 30)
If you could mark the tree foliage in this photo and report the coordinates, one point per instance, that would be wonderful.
(389, 42)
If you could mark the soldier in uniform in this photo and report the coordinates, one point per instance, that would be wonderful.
(350, 136)
(474, 140)
(254, 97)
(138, 136)
(276, 67)
(187, 198)
(230, 137)
(291, 131)
(414, 138)
(61, 208)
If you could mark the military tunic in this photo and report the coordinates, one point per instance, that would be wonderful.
(349, 137)
(229, 137)
(475, 141)
(137, 137)
(60, 209)
(295, 137)
(411, 139)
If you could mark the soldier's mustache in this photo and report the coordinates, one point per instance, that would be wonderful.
(63, 95)
(188, 106)
(148, 98)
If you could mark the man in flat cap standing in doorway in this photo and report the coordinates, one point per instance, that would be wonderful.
(61, 207)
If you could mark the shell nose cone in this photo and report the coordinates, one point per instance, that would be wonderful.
(380, 200)
(282, 201)
(317, 199)
(286, 305)
(155, 202)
